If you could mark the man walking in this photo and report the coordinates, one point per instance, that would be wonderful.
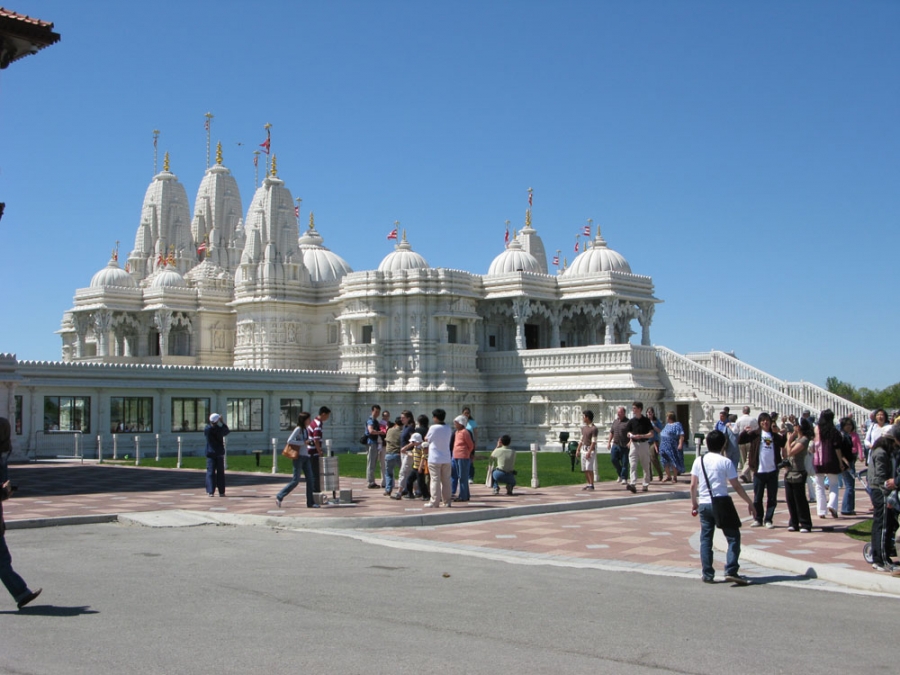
(710, 476)
(617, 444)
(640, 431)
(745, 423)
(16, 586)
(315, 430)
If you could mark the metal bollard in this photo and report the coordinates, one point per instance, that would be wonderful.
(157, 447)
(178, 463)
(274, 456)
(535, 483)
(137, 450)
(328, 450)
(99, 449)
(115, 446)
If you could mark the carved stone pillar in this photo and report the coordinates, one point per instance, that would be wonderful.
(554, 328)
(162, 319)
(645, 317)
(102, 323)
(83, 323)
(521, 311)
(610, 308)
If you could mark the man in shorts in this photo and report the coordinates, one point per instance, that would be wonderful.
(587, 448)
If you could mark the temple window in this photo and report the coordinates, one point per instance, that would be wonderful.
(133, 414)
(189, 414)
(65, 413)
(244, 414)
(290, 413)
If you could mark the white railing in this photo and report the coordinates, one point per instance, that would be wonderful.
(571, 359)
(721, 389)
(812, 396)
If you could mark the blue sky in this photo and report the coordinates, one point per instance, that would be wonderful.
(744, 155)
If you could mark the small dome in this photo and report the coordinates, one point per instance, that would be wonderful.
(598, 258)
(112, 275)
(402, 258)
(207, 271)
(323, 265)
(168, 278)
(514, 259)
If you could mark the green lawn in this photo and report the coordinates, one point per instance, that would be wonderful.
(861, 531)
(554, 468)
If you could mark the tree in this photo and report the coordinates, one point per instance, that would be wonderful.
(887, 398)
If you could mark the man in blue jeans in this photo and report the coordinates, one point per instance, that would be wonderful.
(710, 477)
(16, 586)
(617, 444)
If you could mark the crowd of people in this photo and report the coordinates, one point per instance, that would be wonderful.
(429, 459)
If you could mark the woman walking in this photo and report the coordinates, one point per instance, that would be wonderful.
(827, 462)
(671, 445)
(299, 440)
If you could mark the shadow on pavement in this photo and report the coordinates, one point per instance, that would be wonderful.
(52, 610)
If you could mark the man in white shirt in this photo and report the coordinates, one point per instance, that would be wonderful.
(745, 423)
(438, 439)
(713, 482)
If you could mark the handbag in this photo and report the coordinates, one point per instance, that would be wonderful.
(489, 481)
(794, 477)
(364, 439)
(724, 513)
(290, 451)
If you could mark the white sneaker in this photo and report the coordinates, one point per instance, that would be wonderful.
(769, 526)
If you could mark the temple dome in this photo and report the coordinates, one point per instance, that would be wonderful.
(168, 277)
(112, 275)
(402, 258)
(323, 265)
(514, 259)
(598, 258)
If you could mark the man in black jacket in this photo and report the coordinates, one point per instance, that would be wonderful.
(882, 480)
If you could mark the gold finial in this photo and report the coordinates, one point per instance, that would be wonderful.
(274, 166)
(312, 220)
(171, 259)
(528, 217)
(404, 234)
(166, 162)
(219, 153)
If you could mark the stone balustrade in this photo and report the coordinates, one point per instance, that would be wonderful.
(552, 361)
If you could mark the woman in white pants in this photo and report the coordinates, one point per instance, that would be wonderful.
(827, 462)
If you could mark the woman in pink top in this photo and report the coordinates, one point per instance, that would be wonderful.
(463, 448)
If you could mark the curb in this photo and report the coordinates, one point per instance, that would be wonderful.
(873, 582)
(59, 521)
(443, 517)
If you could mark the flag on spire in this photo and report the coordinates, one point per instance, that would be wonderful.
(529, 197)
(296, 212)
(586, 231)
(556, 260)
(506, 237)
(255, 160)
(392, 234)
(265, 145)
(576, 247)
(201, 250)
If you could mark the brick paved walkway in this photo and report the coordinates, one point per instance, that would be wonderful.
(658, 534)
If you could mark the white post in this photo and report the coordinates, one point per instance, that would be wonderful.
(137, 450)
(178, 463)
(328, 451)
(274, 455)
(99, 449)
(535, 483)
(115, 446)
(157, 447)
(225, 456)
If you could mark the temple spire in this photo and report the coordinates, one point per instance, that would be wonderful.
(166, 161)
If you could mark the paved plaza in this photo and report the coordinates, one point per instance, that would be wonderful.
(609, 528)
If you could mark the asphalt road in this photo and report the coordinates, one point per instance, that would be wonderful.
(127, 599)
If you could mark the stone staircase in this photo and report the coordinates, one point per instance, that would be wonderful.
(722, 379)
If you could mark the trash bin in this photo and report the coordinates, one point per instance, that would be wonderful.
(329, 480)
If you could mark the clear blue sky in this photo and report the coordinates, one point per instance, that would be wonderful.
(743, 154)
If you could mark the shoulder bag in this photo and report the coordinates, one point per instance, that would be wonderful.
(725, 514)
